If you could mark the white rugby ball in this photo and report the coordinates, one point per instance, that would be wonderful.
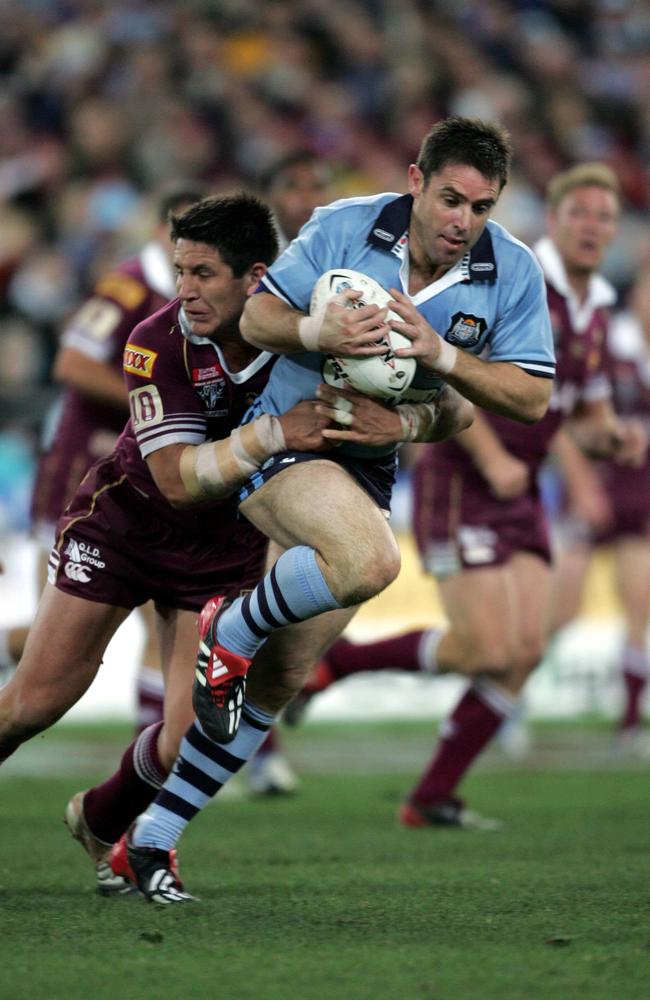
(384, 376)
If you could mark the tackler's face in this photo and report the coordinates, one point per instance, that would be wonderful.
(583, 225)
(212, 297)
(450, 212)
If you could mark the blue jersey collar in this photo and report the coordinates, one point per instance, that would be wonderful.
(392, 224)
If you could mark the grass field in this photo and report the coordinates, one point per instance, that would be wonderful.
(323, 896)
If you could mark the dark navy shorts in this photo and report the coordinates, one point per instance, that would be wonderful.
(375, 475)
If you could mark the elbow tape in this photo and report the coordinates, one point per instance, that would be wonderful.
(418, 420)
(216, 468)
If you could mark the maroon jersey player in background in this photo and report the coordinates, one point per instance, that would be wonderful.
(609, 504)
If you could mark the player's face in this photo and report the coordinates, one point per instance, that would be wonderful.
(582, 227)
(212, 298)
(295, 194)
(449, 214)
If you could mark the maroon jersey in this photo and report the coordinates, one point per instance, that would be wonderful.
(120, 542)
(180, 392)
(458, 523)
(580, 371)
(85, 429)
(628, 488)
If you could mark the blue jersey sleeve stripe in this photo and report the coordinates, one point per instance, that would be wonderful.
(533, 361)
(276, 289)
(542, 371)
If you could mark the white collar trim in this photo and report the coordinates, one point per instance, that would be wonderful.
(459, 272)
(600, 293)
(237, 377)
(158, 270)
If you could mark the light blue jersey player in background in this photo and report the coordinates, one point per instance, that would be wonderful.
(473, 304)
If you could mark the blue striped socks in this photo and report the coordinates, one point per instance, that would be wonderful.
(201, 769)
(294, 590)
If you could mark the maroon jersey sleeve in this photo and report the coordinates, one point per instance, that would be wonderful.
(165, 408)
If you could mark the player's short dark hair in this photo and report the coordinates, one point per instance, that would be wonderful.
(486, 146)
(175, 197)
(294, 158)
(239, 226)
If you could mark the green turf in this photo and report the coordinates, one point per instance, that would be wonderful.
(324, 896)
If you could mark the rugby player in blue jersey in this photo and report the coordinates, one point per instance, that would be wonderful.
(472, 302)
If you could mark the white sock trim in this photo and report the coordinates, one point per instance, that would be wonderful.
(495, 697)
(635, 661)
(428, 650)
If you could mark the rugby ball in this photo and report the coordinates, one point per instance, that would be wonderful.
(383, 376)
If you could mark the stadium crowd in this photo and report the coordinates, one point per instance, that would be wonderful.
(103, 105)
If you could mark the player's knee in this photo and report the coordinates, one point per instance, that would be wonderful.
(370, 575)
(494, 656)
(529, 654)
(24, 714)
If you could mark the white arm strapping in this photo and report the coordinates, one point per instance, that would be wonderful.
(418, 421)
(216, 468)
(309, 328)
(446, 360)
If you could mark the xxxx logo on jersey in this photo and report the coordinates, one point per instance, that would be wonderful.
(139, 360)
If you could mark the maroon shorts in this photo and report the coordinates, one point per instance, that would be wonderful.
(458, 525)
(628, 491)
(116, 546)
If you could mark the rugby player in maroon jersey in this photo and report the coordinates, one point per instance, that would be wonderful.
(609, 504)
(131, 533)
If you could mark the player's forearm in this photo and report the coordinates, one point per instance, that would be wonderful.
(430, 422)
(597, 436)
(270, 324)
(577, 470)
(482, 444)
(191, 474)
(500, 387)
(93, 379)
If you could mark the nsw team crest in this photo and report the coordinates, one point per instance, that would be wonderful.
(465, 330)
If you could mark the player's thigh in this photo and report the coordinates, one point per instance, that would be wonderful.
(530, 579)
(151, 651)
(481, 613)
(318, 504)
(632, 562)
(179, 641)
(42, 562)
(569, 574)
(62, 654)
